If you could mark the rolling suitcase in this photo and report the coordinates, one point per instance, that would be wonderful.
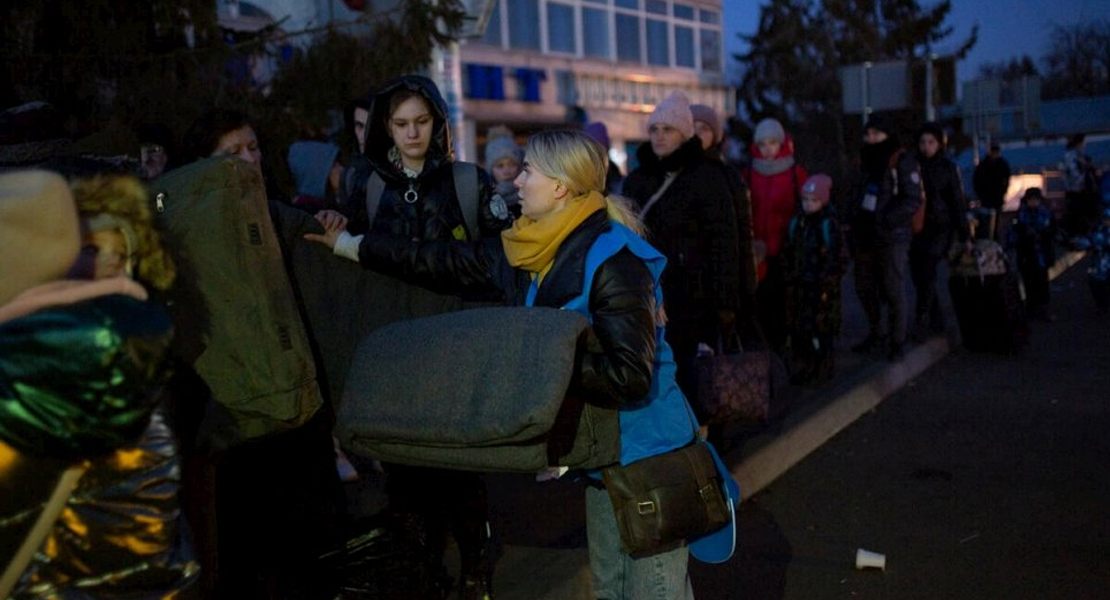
(987, 300)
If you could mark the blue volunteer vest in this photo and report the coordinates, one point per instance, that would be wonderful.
(664, 421)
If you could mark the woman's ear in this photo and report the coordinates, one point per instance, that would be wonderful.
(561, 190)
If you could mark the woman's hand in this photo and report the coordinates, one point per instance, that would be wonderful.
(333, 223)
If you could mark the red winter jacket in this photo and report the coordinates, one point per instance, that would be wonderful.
(774, 199)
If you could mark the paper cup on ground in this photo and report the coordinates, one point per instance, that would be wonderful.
(865, 559)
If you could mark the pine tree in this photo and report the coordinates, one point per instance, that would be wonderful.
(793, 62)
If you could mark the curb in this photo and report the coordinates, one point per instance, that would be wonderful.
(810, 431)
(807, 432)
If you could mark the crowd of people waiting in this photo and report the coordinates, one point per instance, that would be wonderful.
(754, 258)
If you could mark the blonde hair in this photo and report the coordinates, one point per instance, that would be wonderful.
(580, 163)
(126, 199)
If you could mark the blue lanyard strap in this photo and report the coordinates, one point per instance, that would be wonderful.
(532, 290)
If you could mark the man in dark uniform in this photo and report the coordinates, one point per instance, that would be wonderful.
(880, 217)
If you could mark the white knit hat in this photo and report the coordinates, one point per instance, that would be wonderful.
(674, 110)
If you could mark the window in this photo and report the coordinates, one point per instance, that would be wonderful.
(684, 11)
(684, 47)
(656, 7)
(710, 50)
(595, 32)
(485, 82)
(524, 24)
(628, 37)
(628, 3)
(658, 48)
(710, 17)
(560, 28)
(493, 29)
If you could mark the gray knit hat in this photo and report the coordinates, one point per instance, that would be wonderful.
(39, 232)
(769, 128)
(501, 144)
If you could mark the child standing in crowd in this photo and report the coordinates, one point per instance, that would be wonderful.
(773, 179)
(504, 160)
(814, 263)
(1098, 274)
(1032, 236)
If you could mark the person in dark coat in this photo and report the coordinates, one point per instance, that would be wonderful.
(408, 145)
(1033, 237)
(237, 495)
(945, 223)
(687, 208)
(708, 128)
(814, 259)
(880, 218)
(541, 261)
(991, 179)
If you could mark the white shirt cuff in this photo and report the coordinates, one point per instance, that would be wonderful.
(347, 246)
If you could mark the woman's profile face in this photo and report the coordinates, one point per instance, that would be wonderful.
(241, 142)
(539, 195)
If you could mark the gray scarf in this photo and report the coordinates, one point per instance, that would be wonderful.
(772, 166)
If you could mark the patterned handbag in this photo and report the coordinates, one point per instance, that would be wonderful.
(734, 387)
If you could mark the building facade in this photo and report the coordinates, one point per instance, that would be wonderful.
(535, 64)
(543, 63)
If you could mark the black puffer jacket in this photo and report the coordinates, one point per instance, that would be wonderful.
(945, 203)
(436, 214)
(694, 224)
(617, 364)
(894, 178)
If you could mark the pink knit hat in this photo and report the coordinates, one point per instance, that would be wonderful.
(674, 110)
(707, 115)
(818, 186)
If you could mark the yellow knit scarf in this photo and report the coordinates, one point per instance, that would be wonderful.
(531, 244)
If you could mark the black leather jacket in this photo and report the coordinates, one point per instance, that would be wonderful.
(616, 364)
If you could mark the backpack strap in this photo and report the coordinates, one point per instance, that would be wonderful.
(375, 186)
(466, 190)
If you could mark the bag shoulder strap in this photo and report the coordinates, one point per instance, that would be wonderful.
(668, 179)
(466, 190)
(375, 186)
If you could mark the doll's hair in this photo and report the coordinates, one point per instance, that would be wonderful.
(126, 200)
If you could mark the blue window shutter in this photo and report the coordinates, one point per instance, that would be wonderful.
(530, 83)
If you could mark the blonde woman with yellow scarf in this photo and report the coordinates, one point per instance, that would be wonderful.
(550, 257)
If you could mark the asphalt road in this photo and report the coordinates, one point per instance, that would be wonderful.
(987, 477)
